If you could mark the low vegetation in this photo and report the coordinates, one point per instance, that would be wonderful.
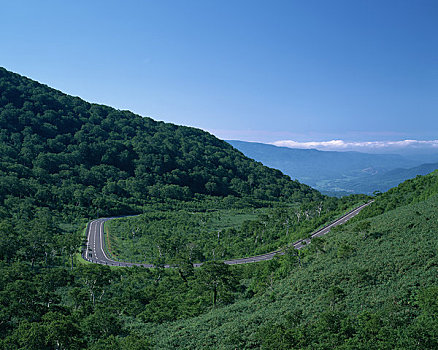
(198, 235)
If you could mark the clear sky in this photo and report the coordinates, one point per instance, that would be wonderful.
(306, 71)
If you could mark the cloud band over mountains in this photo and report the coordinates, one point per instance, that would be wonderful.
(341, 145)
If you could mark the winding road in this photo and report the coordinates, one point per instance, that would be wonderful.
(95, 251)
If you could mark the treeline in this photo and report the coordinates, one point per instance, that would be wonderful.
(60, 152)
(39, 241)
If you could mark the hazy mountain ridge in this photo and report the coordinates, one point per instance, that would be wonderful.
(391, 178)
(338, 172)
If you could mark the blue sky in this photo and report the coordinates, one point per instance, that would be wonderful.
(265, 71)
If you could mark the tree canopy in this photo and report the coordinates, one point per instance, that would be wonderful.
(61, 152)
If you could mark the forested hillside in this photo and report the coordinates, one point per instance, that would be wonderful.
(60, 152)
(369, 284)
(63, 160)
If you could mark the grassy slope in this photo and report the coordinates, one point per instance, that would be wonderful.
(384, 270)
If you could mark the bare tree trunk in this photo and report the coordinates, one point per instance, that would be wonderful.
(214, 296)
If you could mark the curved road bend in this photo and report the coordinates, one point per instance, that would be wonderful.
(95, 251)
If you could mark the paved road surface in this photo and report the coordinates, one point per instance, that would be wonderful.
(95, 252)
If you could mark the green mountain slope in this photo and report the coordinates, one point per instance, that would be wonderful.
(372, 284)
(62, 159)
(61, 152)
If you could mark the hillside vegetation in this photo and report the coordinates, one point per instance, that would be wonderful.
(63, 159)
(370, 284)
(60, 152)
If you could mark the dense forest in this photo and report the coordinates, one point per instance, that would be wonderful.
(60, 152)
(371, 283)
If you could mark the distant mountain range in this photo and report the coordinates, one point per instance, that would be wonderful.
(339, 173)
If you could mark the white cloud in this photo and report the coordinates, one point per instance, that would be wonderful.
(349, 145)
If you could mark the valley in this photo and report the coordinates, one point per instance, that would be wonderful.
(81, 178)
(341, 173)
